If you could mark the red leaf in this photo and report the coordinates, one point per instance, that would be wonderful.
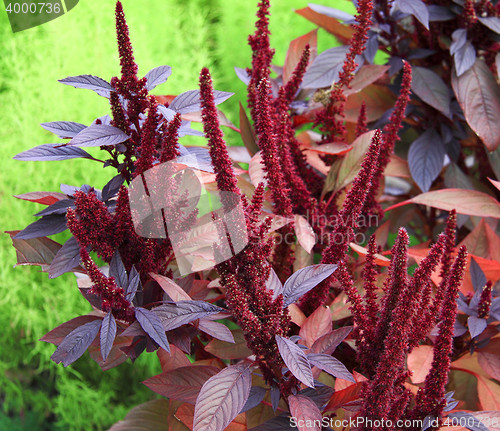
(171, 288)
(182, 384)
(489, 358)
(483, 242)
(34, 251)
(151, 416)
(225, 350)
(175, 359)
(478, 94)
(247, 134)
(377, 98)
(331, 25)
(304, 412)
(316, 325)
(470, 202)
(367, 75)
(343, 397)
(295, 51)
(420, 362)
(45, 198)
(305, 233)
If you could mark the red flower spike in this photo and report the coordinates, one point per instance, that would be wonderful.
(430, 310)
(421, 285)
(270, 154)
(262, 54)
(147, 150)
(357, 43)
(369, 275)
(390, 137)
(430, 399)
(92, 225)
(170, 140)
(484, 305)
(112, 296)
(396, 283)
(293, 84)
(361, 125)
(223, 167)
(383, 390)
(127, 62)
(353, 204)
(343, 233)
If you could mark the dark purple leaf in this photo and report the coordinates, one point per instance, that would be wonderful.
(181, 337)
(477, 276)
(67, 258)
(108, 334)
(320, 395)
(174, 315)
(59, 207)
(476, 325)
(417, 8)
(189, 101)
(439, 13)
(371, 48)
(274, 284)
(458, 37)
(134, 282)
(216, 330)
(426, 158)
(64, 129)
(296, 360)
(242, 74)
(304, 411)
(117, 270)
(183, 383)
(89, 82)
(304, 280)
(278, 423)
(76, 343)
(431, 89)
(52, 152)
(325, 68)
(151, 323)
(222, 397)
(470, 421)
(331, 365)
(157, 76)
(464, 58)
(420, 53)
(168, 113)
(97, 135)
(112, 187)
(275, 395)
(329, 342)
(458, 329)
(48, 225)
(492, 22)
(257, 394)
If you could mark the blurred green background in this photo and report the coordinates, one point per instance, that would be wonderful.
(36, 394)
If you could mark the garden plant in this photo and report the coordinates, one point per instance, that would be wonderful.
(338, 271)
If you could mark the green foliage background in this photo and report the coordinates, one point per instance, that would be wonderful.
(187, 35)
